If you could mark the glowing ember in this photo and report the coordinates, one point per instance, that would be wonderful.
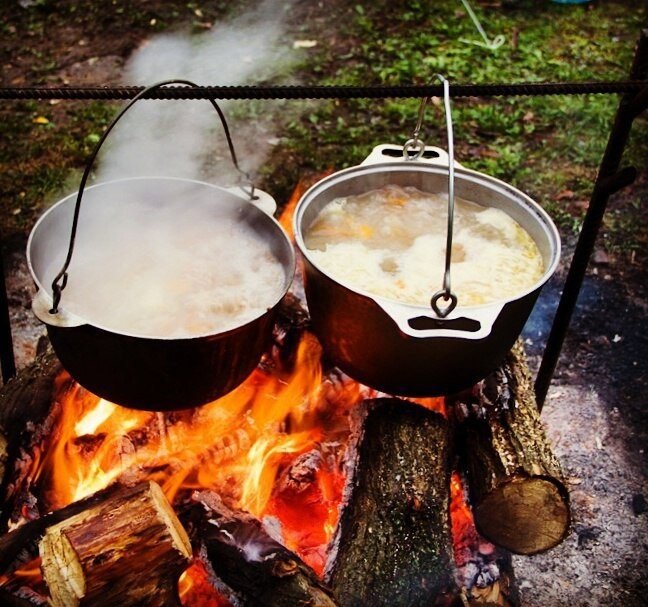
(464, 532)
(195, 589)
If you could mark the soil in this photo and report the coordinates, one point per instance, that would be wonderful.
(596, 407)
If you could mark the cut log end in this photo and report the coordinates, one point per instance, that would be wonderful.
(517, 490)
(539, 502)
(129, 549)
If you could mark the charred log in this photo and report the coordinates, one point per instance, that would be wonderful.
(247, 563)
(127, 550)
(517, 492)
(26, 415)
(28, 396)
(393, 543)
(7, 599)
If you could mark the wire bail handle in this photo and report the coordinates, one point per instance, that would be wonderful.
(60, 281)
(416, 144)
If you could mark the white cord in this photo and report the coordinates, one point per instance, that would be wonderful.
(493, 44)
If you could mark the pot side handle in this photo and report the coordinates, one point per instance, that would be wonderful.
(389, 152)
(475, 323)
(41, 306)
(261, 199)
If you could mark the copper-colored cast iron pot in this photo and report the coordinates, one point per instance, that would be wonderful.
(406, 349)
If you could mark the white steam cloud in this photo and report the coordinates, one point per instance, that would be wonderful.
(185, 138)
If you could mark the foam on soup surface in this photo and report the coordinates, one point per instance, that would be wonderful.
(391, 242)
(172, 265)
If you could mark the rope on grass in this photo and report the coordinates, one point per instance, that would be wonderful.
(491, 45)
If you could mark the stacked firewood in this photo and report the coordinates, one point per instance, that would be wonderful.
(393, 545)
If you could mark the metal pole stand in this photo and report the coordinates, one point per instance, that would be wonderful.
(610, 180)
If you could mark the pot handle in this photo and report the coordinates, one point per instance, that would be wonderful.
(60, 280)
(473, 324)
(41, 306)
(389, 152)
(261, 199)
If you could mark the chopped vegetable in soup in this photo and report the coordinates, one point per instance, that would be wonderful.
(391, 242)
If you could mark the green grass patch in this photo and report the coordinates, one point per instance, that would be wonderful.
(549, 146)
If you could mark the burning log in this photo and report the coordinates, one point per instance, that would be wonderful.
(255, 568)
(29, 393)
(21, 545)
(129, 550)
(393, 542)
(25, 403)
(26, 398)
(517, 492)
(9, 600)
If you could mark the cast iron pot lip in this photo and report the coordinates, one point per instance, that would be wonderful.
(359, 170)
(290, 271)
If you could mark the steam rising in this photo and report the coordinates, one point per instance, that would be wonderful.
(184, 138)
(170, 258)
(165, 257)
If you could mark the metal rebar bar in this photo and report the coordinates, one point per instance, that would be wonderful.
(323, 92)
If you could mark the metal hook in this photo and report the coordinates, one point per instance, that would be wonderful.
(414, 142)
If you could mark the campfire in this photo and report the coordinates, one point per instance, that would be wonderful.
(300, 487)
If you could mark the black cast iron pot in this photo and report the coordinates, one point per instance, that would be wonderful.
(143, 372)
(140, 370)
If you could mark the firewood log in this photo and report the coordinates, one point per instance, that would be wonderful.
(25, 402)
(9, 600)
(28, 396)
(516, 486)
(127, 550)
(393, 546)
(246, 563)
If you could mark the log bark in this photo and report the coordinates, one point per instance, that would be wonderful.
(127, 550)
(28, 396)
(21, 545)
(517, 492)
(246, 562)
(25, 402)
(393, 542)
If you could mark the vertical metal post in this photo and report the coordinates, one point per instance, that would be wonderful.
(7, 361)
(610, 179)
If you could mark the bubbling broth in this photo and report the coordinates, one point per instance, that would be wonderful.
(171, 272)
(391, 242)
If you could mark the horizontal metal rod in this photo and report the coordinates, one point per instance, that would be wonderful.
(324, 92)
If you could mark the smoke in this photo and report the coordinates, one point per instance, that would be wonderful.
(185, 138)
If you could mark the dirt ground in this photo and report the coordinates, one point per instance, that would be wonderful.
(596, 408)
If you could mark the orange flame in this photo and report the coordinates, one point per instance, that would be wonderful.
(195, 589)
(287, 215)
(27, 574)
(238, 445)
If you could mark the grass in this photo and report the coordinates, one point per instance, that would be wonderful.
(549, 146)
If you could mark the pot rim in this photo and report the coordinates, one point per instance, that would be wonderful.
(397, 166)
(290, 270)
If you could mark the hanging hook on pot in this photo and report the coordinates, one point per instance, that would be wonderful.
(414, 143)
(446, 293)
